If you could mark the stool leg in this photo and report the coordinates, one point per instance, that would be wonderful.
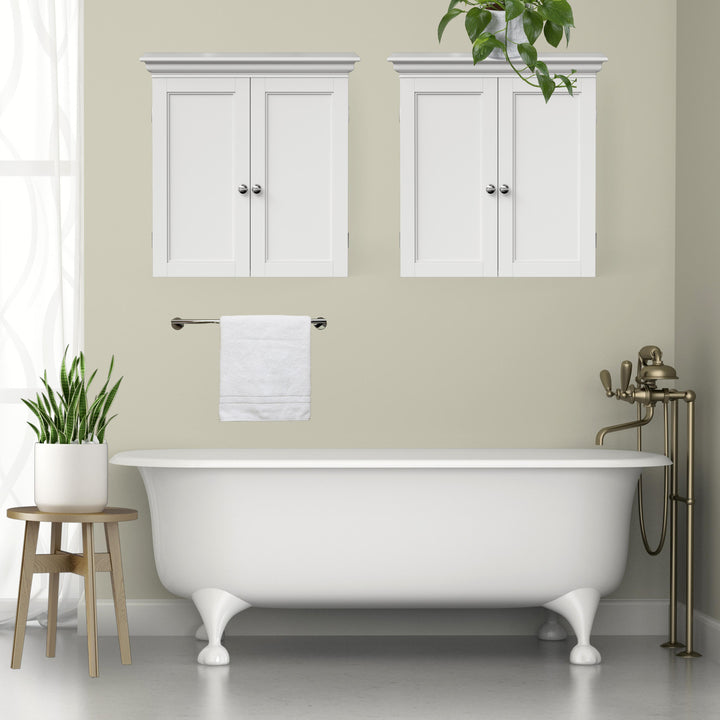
(89, 554)
(53, 587)
(26, 575)
(112, 536)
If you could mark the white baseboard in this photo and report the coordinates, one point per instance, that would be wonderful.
(175, 617)
(707, 636)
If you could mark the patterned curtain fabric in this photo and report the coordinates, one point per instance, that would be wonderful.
(40, 246)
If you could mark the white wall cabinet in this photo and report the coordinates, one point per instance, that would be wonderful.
(250, 160)
(494, 181)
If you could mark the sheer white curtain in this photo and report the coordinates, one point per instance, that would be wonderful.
(40, 244)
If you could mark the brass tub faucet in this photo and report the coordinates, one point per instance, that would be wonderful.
(646, 394)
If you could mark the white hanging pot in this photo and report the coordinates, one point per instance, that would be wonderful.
(71, 478)
(515, 34)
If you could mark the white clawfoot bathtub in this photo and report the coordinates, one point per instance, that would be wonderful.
(391, 529)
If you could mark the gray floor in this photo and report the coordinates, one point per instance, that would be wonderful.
(360, 677)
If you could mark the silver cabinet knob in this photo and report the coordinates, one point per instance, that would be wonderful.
(504, 189)
(243, 189)
(490, 189)
(257, 189)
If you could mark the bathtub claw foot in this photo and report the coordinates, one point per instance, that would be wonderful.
(201, 634)
(585, 655)
(213, 655)
(578, 607)
(551, 629)
(216, 607)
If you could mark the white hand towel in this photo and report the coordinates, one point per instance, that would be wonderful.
(265, 367)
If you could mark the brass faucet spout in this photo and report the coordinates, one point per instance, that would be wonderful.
(625, 426)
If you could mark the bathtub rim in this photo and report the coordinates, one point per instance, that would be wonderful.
(259, 458)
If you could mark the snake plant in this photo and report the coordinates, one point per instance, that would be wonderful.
(551, 18)
(65, 415)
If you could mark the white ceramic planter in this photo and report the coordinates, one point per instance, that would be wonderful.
(515, 34)
(71, 478)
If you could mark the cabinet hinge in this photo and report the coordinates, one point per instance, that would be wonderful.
(596, 241)
(152, 242)
(348, 239)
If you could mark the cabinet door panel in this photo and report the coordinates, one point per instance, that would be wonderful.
(547, 158)
(448, 156)
(201, 155)
(299, 159)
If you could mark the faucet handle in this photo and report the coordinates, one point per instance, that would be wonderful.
(625, 374)
(606, 381)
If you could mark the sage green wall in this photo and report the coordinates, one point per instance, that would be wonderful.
(404, 362)
(697, 263)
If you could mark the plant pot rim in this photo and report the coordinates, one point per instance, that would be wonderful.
(72, 444)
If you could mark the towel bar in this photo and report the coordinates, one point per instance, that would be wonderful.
(179, 323)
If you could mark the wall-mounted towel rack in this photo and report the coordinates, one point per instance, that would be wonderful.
(179, 323)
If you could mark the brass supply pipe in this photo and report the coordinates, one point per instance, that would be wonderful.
(672, 641)
(688, 652)
(649, 412)
(666, 488)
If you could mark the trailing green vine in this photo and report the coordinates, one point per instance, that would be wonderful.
(549, 18)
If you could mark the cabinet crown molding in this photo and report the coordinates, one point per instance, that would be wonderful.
(246, 63)
(462, 64)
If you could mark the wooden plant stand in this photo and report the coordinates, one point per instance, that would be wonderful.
(86, 564)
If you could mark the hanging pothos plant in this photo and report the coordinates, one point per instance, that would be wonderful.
(550, 18)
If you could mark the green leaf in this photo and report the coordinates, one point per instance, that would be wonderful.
(64, 384)
(37, 432)
(72, 375)
(44, 406)
(41, 420)
(547, 86)
(82, 404)
(528, 53)
(69, 429)
(51, 396)
(532, 24)
(483, 46)
(446, 18)
(111, 397)
(103, 389)
(553, 33)
(94, 413)
(565, 80)
(101, 431)
(56, 434)
(476, 21)
(557, 11)
(33, 407)
(542, 68)
(513, 9)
